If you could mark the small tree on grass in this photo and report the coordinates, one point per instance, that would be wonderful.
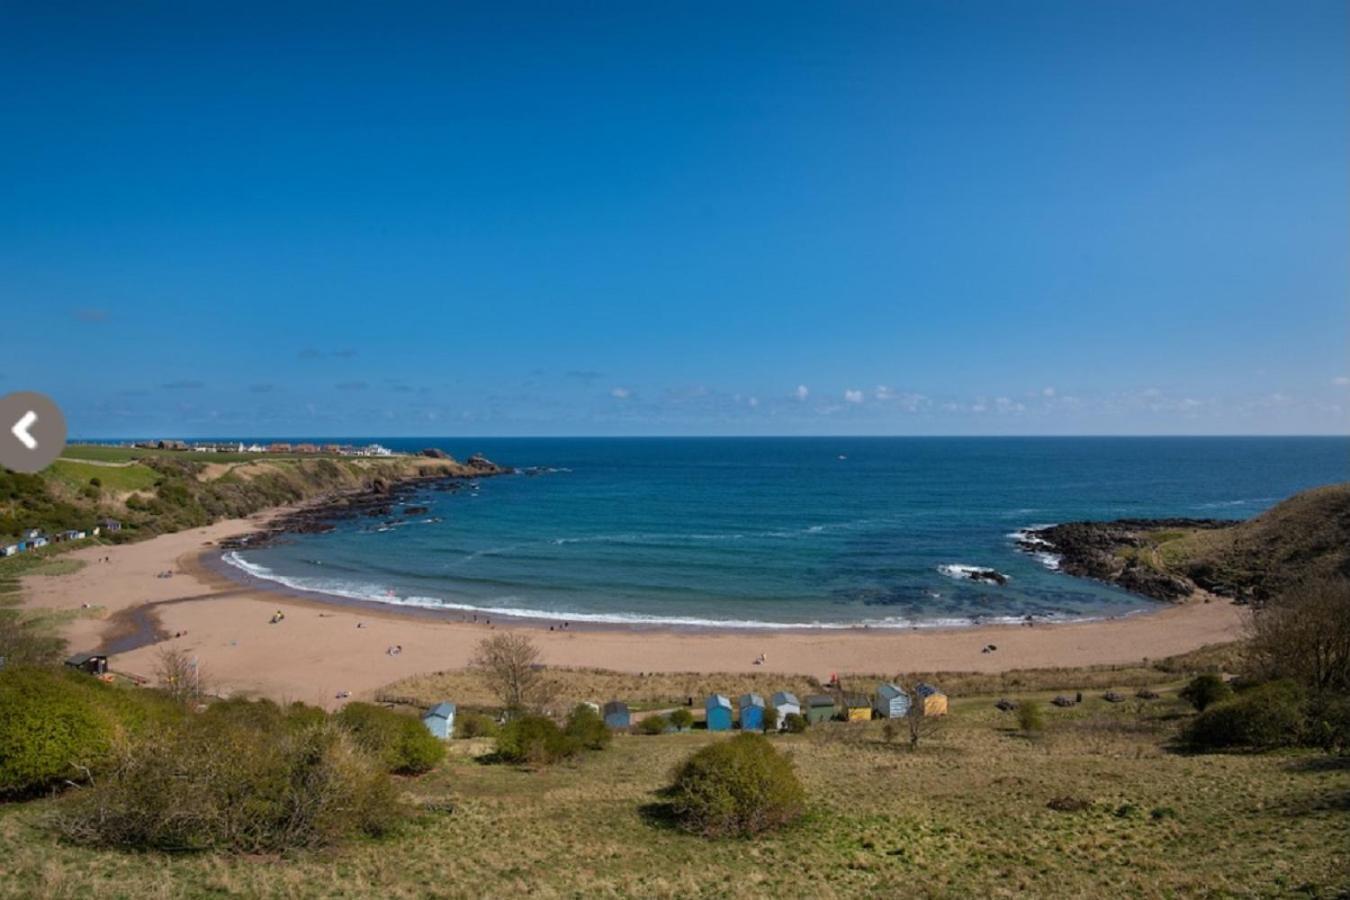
(682, 719)
(770, 719)
(795, 723)
(918, 725)
(1030, 718)
(1203, 691)
(510, 665)
(534, 740)
(585, 726)
(654, 725)
(180, 675)
(400, 742)
(740, 787)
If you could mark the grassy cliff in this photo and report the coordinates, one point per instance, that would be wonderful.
(158, 493)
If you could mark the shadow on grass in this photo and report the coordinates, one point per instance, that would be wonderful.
(660, 813)
(1327, 763)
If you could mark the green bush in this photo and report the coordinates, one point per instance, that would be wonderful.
(1270, 715)
(587, 728)
(474, 725)
(1030, 718)
(795, 723)
(770, 719)
(401, 742)
(59, 725)
(738, 787)
(1203, 691)
(653, 725)
(234, 786)
(1328, 724)
(682, 719)
(534, 740)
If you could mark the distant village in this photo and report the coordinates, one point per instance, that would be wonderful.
(274, 447)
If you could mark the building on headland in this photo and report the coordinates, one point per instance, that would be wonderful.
(306, 448)
(440, 720)
(717, 711)
(752, 712)
(93, 663)
(110, 525)
(278, 447)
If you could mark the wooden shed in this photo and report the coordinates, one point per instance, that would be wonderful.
(616, 714)
(891, 701)
(93, 663)
(933, 700)
(752, 712)
(786, 704)
(819, 708)
(717, 709)
(857, 708)
(440, 720)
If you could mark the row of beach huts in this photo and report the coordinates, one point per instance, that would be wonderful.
(889, 701)
(35, 538)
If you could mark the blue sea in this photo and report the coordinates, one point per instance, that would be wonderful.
(783, 532)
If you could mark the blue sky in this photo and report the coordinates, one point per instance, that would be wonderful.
(627, 218)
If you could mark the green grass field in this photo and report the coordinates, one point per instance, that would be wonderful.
(131, 477)
(965, 815)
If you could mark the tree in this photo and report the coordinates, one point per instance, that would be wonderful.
(682, 719)
(1203, 691)
(1029, 717)
(919, 725)
(1303, 635)
(510, 665)
(180, 675)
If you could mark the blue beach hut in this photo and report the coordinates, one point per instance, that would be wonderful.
(752, 712)
(440, 720)
(892, 701)
(718, 708)
(616, 714)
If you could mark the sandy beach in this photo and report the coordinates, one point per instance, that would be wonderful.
(318, 652)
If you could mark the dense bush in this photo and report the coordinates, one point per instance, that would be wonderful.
(534, 740)
(1328, 722)
(50, 725)
(738, 787)
(795, 723)
(1203, 691)
(401, 742)
(770, 718)
(682, 719)
(587, 728)
(653, 724)
(227, 783)
(1029, 716)
(1270, 715)
(474, 724)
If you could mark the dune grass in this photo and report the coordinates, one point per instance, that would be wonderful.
(967, 814)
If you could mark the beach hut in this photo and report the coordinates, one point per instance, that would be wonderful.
(933, 700)
(9, 550)
(592, 705)
(752, 712)
(857, 708)
(110, 525)
(718, 712)
(440, 720)
(891, 702)
(819, 708)
(786, 703)
(93, 663)
(616, 714)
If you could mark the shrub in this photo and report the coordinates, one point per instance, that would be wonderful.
(770, 719)
(534, 740)
(1029, 717)
(587, 728)
(682, 719)
(401, 742)
(795, 723)
(1328, 723)
(58, 725)
(1270, 715)
(1203, 691)
(738, 787)
(474, 725)
(653, 725)
(235, 786)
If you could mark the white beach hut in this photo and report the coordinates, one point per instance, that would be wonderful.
(785, 702)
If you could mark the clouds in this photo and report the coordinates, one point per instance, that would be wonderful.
(802, 392)
(1341, 380)
(620, 393)
(853, 396)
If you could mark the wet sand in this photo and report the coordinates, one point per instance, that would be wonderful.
(324, 648)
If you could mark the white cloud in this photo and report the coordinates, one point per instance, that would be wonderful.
(1048, 392)
(884, 393)
(1341, 381)
(620, 393)
(753, 402)
(852, 396)
(802, 392)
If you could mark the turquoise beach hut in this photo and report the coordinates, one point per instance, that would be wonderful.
(718, 709)
(616, 714)
(440, 720)
(752, 712)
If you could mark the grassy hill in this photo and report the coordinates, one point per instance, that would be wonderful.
(153, 492)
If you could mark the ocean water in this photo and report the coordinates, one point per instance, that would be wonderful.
(774, 532)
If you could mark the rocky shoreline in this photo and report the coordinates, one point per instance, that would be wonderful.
(1119, 552)
(385, 501)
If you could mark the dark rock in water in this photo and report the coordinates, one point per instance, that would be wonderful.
(433, 453)
(1006, 705)
(1113, 697)
(993, 576)
(414, 510)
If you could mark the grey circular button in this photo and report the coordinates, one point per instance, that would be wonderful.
(32, 431)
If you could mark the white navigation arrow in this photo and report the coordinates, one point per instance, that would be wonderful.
(20, 429)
